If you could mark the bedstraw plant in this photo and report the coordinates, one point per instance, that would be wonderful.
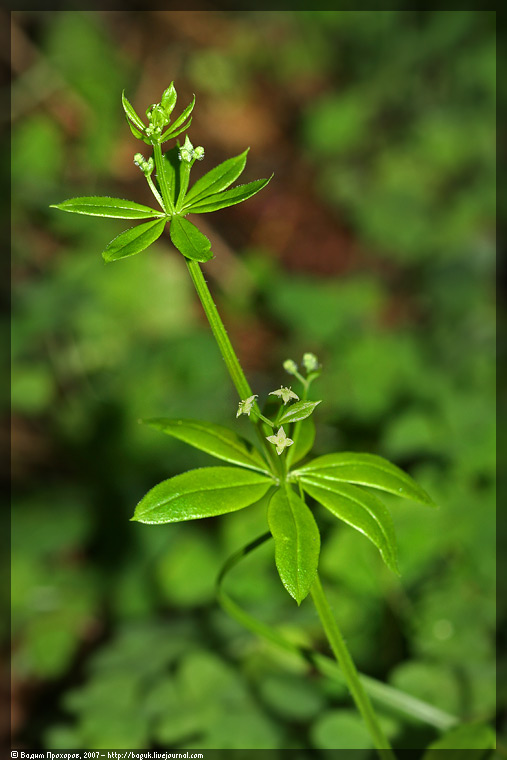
(279, 468)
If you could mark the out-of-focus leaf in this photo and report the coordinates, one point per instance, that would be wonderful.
(304, 437)
(297, 542)
(468, 741)
(205, 492)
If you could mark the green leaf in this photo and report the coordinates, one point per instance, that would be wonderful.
(174, 132)
(217, 179)
(171, 132)
(134, 240)
(130, 113)
(227, 198)
(361, 510)
(297, 542)
(189, 240)
(304, 437)
(171, 165)
(214, 439)
(117, 208)
(168, 100)
(204, 492)
(469, 742)
(298, 411)
(366, 470)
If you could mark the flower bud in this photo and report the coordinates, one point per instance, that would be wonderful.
(310, 362)
(199, 153)
(187, 151)
(290, 366)
(157, 116)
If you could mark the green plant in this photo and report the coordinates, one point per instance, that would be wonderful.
(344, 483)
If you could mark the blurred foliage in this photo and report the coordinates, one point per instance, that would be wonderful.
(384, 122)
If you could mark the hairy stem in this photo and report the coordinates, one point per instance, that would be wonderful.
(349, 671)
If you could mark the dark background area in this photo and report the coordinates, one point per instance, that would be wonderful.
(373, 247)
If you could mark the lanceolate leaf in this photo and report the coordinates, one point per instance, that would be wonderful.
(216, 440)
(130, 113)
(298, 411)
(366, 470)
(297, 542)
(134, 240)
(116, 208)
(304, 437)
(227, 198)
(171, 166)
(189, 240)
(173, 129)
(217, 179)
(174, 132)
(361, 510)
(205, 492)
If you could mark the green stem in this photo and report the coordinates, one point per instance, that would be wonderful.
(229, 355)
(155, 192)
(349, 671)
(219, 332)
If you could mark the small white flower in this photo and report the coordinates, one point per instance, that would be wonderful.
(245, 406)
(280, 440)
(285, 394)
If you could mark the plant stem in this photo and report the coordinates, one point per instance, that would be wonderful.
(229, 355)
(348, 669)
(218, 330)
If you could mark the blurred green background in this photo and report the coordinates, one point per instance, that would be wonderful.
(373, 247)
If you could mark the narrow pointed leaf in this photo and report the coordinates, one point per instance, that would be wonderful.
(171, 166)
(298, 411)
(227, 198)
(130, 113)
(134, 240)
(217, 179)
(168, 99)
(366, 470)
(297, 542)
(361, 510)
(116, 208)
(189, 240)
(173, 132)
(205, 492)
(216, 440)
(303, 437)
(183, 116)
